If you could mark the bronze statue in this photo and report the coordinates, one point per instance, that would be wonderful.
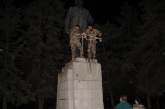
(77, 15)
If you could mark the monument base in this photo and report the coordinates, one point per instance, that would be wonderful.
(80, 85)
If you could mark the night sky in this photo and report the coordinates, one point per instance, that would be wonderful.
(103, 10)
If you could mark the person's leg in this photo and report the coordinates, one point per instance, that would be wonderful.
(94, 49)
(73, 51)
(78, 49)
(89, 48)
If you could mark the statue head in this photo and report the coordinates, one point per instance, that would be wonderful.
(79, 3)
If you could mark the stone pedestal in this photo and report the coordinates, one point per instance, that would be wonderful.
(80, 85)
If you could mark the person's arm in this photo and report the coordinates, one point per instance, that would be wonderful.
(99, 33)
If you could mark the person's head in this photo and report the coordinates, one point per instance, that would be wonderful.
(123, 98)
(79, 3)
(137, 100)
(90, 27)
(77, 27)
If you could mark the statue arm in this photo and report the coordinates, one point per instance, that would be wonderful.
(90, 19)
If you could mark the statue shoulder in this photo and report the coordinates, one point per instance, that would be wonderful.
(86, 12)
(84, 9)
(73, 9)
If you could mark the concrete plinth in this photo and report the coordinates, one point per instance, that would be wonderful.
(80, 85)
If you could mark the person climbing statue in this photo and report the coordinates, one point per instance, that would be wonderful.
(92, 35)
(75, 35)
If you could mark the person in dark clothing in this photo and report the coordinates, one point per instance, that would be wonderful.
(123, 103)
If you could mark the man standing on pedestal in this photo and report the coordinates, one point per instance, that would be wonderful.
(91, 35)
(75, 44)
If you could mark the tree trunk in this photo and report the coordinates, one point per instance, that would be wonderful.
(4, 104)
(149, 102)
(56, 83)
(40, 102)
(112, 99)
(157, 102)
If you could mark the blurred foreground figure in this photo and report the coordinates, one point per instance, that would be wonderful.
(138, 104)
(123, 103)
(77, 15)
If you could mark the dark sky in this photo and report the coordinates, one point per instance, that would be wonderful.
(103, 10)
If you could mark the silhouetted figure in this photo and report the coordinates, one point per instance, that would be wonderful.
(77, 15)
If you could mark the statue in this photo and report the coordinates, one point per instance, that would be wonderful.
(77, 15)
(91, 36)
